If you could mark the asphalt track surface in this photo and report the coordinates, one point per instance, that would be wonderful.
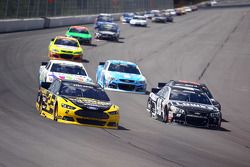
(209, 46)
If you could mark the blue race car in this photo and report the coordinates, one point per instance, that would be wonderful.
(103, 18)
(126, 17)
(121, 76)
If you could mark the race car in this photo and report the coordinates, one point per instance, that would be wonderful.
(185, 106)
(103, 18)
(159, 18)
(139, 21)
(73, 102)
(121, 76)
(66, 48)
(49, 71)
(126, 17)
(162, 18)
(195, 85)
(108, 31)
(81, 33)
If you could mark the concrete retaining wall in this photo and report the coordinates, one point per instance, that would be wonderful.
(13, 25)
(21, 24)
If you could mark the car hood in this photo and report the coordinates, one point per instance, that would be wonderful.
(75, 34)
(197, 107)
(92, 104)
(64, 47)
(120, 75)
(72, 77)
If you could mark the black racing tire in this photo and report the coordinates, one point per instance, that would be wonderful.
(40, 104)
(165, 116)
(55, 112)
(153, 113)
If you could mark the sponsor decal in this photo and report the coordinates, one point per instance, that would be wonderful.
(188, 104)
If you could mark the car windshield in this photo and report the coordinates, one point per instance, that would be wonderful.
(66, 42)
(189, 96)
(80, 90)
(128, 15)
(139, 18)
(108, 27)
(124, 68)
(105, 18)
(68, 69)
(78, 30)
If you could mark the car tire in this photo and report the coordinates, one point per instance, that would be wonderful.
(55, 113)
(165, 116)
(153, 113)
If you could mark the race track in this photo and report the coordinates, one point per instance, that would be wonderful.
(209, 46)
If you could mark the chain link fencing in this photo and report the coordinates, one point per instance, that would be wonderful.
(50, 8)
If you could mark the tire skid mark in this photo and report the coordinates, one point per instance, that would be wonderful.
(221, 46)
(145, 150)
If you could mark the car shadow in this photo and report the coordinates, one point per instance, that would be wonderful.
(122, 128)
(85, 61)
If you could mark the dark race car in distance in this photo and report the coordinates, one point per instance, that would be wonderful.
(195, 85)
(109, 31)
(186, 106)
(103, 18)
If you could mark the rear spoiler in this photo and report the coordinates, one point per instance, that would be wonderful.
(155, 90)
(45, 85)
(44, 63)
(161, 84)
(102, 63)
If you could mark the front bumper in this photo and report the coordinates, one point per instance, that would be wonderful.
(64, 56)
(125, 86)
(197, 121)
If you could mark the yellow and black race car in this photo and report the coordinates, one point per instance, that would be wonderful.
(78, 103)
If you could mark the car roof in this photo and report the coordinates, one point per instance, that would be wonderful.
(64, 37)
(121, 62)
(104, 14)
(67, 62)
(79, 27)
(181, 88)
(94, 85)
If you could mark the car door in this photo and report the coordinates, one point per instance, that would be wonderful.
(50, 96)
(160, 101)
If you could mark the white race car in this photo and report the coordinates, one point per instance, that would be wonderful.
(139, 21)
(49, 71)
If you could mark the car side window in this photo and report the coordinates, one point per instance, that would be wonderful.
(48, 65)
(166, 92)
(162, 92)
(54, 87)
(105, 65)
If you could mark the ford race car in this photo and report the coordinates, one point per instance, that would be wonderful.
(81, 33)
(67, 48)
(109, 31)
(139, 21)
(49, 71)
(103, 18)
(73, 102)
(126, 17)
(183, 105)
(195, 85)
(121, 76)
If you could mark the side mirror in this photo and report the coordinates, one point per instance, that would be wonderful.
(155, 90)
(44, 63)
(45, 85)
(52, 39)
(101, 63)
(161, 84)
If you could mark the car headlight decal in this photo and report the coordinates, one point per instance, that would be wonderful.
(215, 114)
(68, 106)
